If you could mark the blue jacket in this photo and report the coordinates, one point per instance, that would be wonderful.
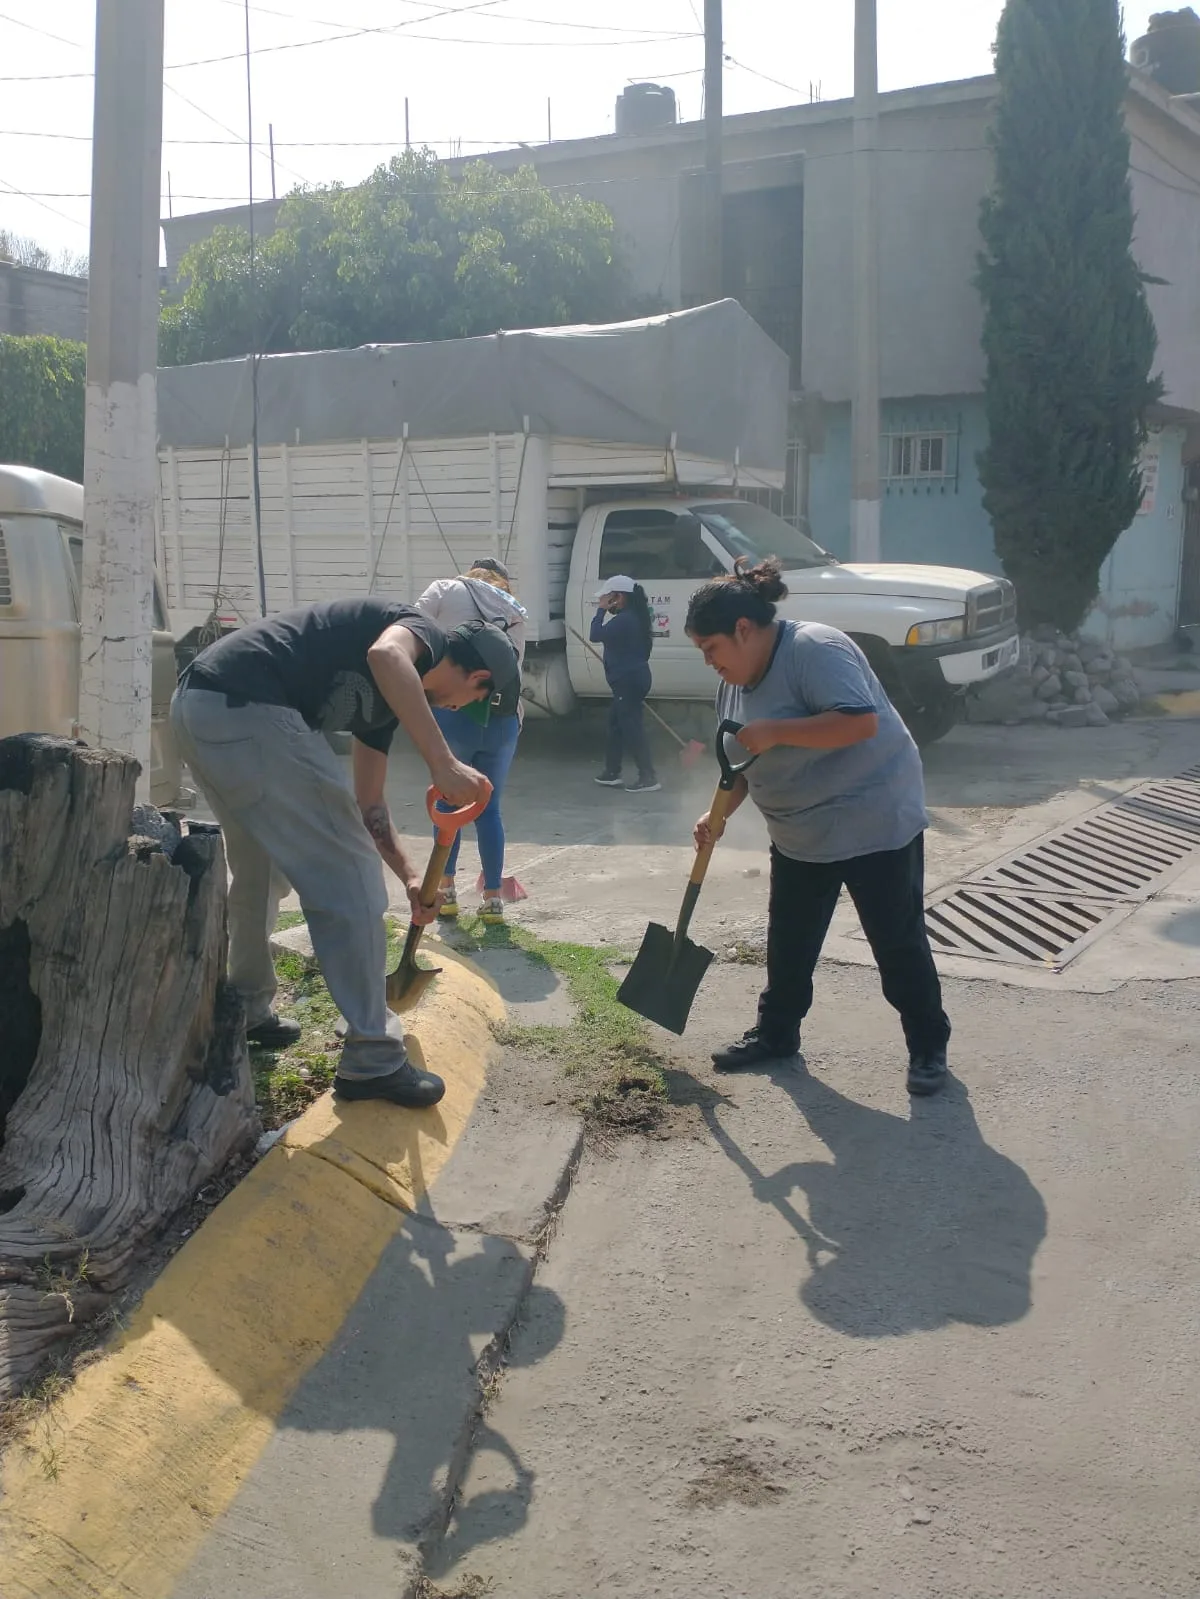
(626, 647)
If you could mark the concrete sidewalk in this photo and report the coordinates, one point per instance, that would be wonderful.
(290, 1410)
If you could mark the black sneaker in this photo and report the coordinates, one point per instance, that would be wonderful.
(927, 1073)
(611, 780)
(755, 1049)
(644, 785)
(277, 1032)
(405, 1086)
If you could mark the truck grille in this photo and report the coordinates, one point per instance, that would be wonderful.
(6, 597)
(992, 607)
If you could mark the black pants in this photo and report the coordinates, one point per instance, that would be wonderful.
(626, 726)
(888, 891)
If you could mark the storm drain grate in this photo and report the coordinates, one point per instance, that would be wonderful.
(1042, 905)
(1125, 850)
(1025, 929)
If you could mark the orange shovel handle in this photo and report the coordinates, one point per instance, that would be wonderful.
(448, 823)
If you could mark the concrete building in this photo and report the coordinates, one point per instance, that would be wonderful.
(787, 258)
(34, 301)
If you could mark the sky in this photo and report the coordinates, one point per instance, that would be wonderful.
(332, 76)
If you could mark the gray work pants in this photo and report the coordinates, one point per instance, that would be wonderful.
(288, 816)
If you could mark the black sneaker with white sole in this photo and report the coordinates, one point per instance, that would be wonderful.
(405, 1086)
(928, 1072)
(644, 785)
(754, 1049)
(611, 780)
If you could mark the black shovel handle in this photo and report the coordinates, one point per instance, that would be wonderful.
(729, 772)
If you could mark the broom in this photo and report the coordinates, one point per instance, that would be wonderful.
(690, 750)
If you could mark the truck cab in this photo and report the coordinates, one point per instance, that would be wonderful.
(41, 587)
(928, 631)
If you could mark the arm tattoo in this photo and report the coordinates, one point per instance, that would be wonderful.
(378, 823)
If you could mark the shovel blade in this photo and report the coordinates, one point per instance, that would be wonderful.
(663, 980)
(406, 986)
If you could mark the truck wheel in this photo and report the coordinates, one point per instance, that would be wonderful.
(933, 720)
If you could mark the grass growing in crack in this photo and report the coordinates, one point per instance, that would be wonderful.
(286, 1081)
(469, 1587)
(616, 1075)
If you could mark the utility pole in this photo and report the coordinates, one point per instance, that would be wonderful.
(865, 496)
(714, 230)
(271, 142)
(120, 470)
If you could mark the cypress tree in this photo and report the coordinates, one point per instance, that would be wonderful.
(1068, 335)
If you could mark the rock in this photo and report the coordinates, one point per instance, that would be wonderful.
(1099, 665)
(1075, 679)
(1059, 705)
(1127, 692)
(1039, 675)
(1035, 711)
(1045, 633)
(1096, 717)
(1083, 696)
(1090, 649)
(1106, 700)
(1123, 665)
(1071, 662)
(1075, 716)
(1050, 688)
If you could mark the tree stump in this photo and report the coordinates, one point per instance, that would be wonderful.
(124, 1079)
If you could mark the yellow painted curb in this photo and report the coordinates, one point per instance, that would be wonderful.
(1185, 704)
(114, 1495)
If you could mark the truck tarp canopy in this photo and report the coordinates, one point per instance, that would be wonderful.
(711, 376)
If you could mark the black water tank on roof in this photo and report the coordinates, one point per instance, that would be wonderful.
(644, 108)
(1170, 51)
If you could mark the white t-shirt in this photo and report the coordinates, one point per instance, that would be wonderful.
(451, 601)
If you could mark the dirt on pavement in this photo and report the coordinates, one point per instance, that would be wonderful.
(832, 1342)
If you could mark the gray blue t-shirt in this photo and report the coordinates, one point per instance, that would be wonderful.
(829, 805)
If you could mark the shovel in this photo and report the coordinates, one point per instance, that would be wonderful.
(407, 984)
(663, 980)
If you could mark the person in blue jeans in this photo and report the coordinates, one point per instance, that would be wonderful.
(623, 626)
(483, 593)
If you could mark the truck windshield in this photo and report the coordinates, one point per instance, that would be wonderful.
(746, 529)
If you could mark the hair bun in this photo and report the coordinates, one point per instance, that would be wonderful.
(765, 578)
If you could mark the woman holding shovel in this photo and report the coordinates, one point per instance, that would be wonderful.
(839, 782)
(622, 625)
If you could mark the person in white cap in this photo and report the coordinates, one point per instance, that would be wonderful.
(622, 625)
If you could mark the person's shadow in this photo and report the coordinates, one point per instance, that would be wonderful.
(915, 1224)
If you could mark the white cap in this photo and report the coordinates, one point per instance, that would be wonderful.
(616, 585)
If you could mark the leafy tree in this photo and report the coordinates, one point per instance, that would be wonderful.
(1068, 335)
(413, 253)
(42, 404)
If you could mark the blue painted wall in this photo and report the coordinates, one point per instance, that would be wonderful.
(946, 524)
(940, 524)
(1139, 584)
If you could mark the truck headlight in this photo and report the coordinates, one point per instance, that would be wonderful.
(950, 631)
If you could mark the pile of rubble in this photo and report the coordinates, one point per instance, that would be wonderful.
(1062, 679)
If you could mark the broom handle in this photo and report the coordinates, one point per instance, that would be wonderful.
(666, 726)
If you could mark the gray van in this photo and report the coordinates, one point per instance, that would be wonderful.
(41, 579)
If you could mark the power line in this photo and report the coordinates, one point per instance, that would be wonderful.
(778, 82)
(590, 27)
(38, 199)
(45, 32)
(334, 38)
(225, 128)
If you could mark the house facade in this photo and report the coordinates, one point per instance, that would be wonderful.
(788, 240)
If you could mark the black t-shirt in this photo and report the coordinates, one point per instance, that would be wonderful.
(314, 659)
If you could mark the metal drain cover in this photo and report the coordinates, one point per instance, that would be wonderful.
(1018, 928)
(1045, 903)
